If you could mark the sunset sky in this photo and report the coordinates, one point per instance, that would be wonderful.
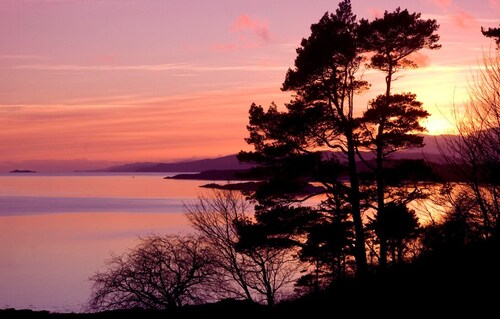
(152, 80)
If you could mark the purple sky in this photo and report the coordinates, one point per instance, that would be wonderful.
(130, 80)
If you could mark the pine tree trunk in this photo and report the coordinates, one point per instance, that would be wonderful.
(380, 205)
(354, 198)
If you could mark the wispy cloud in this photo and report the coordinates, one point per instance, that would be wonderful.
(250, 33)
(75, 67)
(256, 68)
(20, 57)
(451, 18)
(132, 126)
(181, 67)
(464, 19)
(421, 59)
(104, 59)
(224, 47)
(376, 12)
(441, 3)
(495, 4)
(244, 24)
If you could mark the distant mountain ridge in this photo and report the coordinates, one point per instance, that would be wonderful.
(229, 162)
(429, 152)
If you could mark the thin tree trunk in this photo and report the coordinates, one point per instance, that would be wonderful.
(380, 200)
(380, 170)
(400, 250)
(359, 248)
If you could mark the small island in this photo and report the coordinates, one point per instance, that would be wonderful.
(245, 186)
(214, 175)
(22, 171)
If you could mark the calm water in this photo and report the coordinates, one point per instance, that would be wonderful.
(56, 230)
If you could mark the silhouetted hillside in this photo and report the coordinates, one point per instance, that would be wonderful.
(461, 281)
(22, 171)
(229, 162)
(430, 152)
(213, 174)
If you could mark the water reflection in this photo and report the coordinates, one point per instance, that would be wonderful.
(27, 205)
(47, 259)
(56, 230)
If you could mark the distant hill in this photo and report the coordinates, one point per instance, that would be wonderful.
(55, 166)
(429, 152)
(213, 174)
(17, 171)
(229, 162)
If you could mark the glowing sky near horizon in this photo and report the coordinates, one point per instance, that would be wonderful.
(146, 80)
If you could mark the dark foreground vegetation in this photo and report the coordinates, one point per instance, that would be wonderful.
(457, 280)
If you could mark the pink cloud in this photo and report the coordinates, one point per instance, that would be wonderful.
(104, 59)
(420, 59)
(464, 20)
(376, 12)
(250, 33)
(244, 24)
(224, 47)
(495, 4)
(441, 3)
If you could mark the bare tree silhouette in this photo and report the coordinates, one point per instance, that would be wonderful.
(257, 273)
(162, 272)
(474, 156)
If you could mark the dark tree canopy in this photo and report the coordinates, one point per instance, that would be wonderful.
(396, 225)
(312, 148)
(400, 115)
(330, 57)
(395, 36)
(492, 33)
(319, 118)
(392, 120)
